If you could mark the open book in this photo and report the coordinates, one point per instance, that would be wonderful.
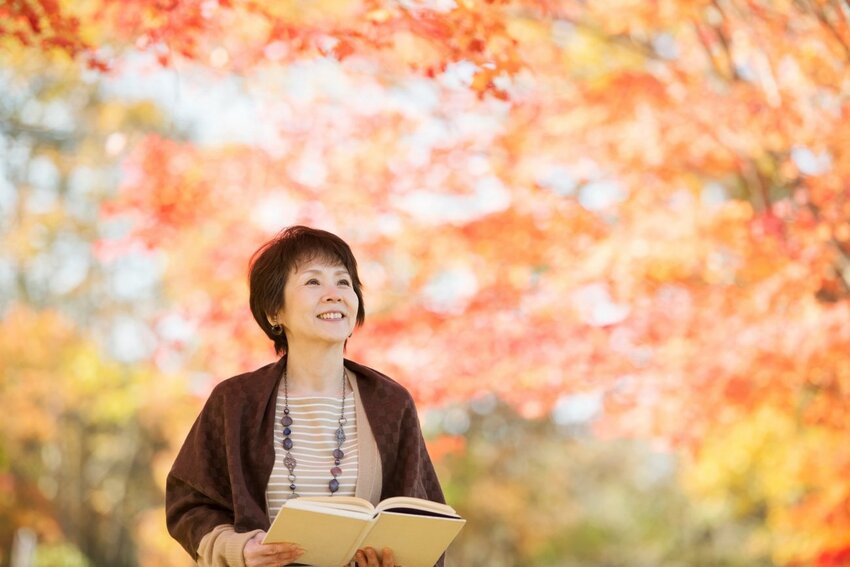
(331, 529)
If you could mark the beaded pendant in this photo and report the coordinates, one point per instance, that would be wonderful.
(289, 460)
(333, 485)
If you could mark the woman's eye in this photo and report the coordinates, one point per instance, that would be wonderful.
(313, 281)
(344, 282)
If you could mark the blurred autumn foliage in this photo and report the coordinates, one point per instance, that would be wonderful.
(642, 205)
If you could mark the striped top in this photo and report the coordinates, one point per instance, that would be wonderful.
(315, 420)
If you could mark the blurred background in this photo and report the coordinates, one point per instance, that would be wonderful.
(606, 245)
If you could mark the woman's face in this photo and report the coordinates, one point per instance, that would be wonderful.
(319, 303)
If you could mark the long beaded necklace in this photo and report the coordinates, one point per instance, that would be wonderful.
(339, 436)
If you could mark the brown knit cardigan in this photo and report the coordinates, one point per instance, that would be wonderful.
(221, 472)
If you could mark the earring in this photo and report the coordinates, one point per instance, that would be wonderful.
(277, 329)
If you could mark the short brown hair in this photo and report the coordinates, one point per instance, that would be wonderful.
(272, 263)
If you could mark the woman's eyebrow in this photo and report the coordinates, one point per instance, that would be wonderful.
(314, 271)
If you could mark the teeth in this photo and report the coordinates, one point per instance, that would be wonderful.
(330, 316)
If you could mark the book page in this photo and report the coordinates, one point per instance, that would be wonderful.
(326, 538)
(343, 505)
(413, 504)
(416, 541)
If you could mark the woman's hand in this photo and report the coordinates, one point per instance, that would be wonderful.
(369, 558)
(271, 554)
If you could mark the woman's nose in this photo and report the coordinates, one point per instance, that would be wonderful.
(332, 296)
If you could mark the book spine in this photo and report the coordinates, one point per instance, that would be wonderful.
(360, 538)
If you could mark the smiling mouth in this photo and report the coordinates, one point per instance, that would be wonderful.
(331, 316)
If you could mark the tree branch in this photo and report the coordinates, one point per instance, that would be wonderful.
(841, 9)
(843, 261)
(822, 17)
(724, 41)
(842, 258)
(707, 48)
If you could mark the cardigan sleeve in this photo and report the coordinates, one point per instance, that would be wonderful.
(190, 514)
(426, 481)
(223, 547)
(413, 473)
(196, 491)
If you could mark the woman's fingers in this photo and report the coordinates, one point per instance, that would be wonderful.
(368, 557)
(363, 558)
(269, 555)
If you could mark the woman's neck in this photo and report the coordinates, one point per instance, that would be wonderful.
(314, 370)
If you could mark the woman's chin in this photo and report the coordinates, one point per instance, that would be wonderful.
(334, 338)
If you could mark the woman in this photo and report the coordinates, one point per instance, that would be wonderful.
(311, 424)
